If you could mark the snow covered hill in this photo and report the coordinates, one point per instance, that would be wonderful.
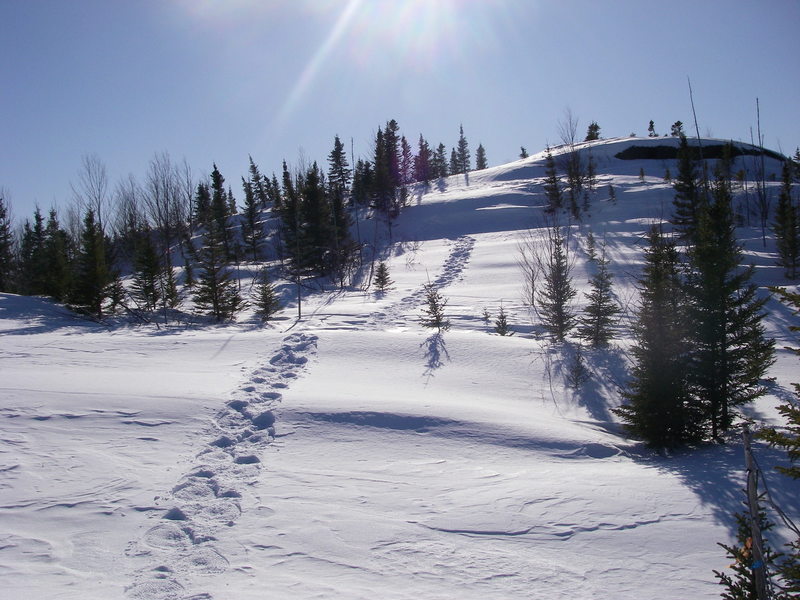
(356, 454)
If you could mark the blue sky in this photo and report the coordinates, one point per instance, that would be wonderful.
(218, 80)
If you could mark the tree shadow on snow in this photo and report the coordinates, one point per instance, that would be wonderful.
(594, 376)
(435, 354)
(39, 315)
(716, 474)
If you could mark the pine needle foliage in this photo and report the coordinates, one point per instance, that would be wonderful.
(730, 351)
(433, 311)
(596, 324)
(382, 280)
(266, 298)
(658, 406)
(787, 226)
(556, 293)
(501, 322)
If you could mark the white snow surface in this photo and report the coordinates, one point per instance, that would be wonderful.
(355, 454)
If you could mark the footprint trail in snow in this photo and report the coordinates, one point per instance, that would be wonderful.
(452, 270)
(181, 546)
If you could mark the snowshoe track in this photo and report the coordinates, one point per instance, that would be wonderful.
(209, 497)
(452, 271)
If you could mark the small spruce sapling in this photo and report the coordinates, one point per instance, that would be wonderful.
(501, 323)
(266, 300)
(433, 310)
(382, 280)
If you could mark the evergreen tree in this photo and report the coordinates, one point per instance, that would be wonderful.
(266, 300)
(382, 188)
(422, 162)
(252, 230)
(439, 166)
(523, 153)
(455, 167)
(688, 199)
(363, 182)
(339, 172)
(259, 185)
(741, 584)
(658, 405)
(146, 274)
(57, 259)
(92, 277)
(730, 352)
(677, 129)
(292, 230)
(788, 439)
(170, 298)
(33, 256)
(433, 310)
(501, 322)
(319, 237)
(480, 158)
(406, 162)
(220, 209)
(556, 293)
(593, 132)
(6, 248)
(341, 244)
(202, 205)
(463, 155)
(216, 292)
(382, 280)
(787, 226)
(552, 188)
(599, 315)
(651, 130)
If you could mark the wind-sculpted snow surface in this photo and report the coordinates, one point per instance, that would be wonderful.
(210, 497)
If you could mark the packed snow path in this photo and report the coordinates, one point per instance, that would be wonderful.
(212, 495)
(452, 269)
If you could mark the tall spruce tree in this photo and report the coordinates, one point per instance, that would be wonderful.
(220, 210)
(596, 324)
(440, 169)
(463, 159)
(259, 185)
(730, 352)
(92, 275)
(455, 165)
(319, 236)
(552, 188)
(215, 293)
(555, 295)
(659, 407)
(422, 162)
(480, 158)
(146, 274)
(58, 259)
(592, 132)
(6, 248)
(252, 230)
(688, 198)
(33, 256)
(787, 226)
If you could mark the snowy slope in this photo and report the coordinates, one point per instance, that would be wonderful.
(357, 455)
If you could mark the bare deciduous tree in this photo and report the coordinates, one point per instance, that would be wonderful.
(91, 190)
